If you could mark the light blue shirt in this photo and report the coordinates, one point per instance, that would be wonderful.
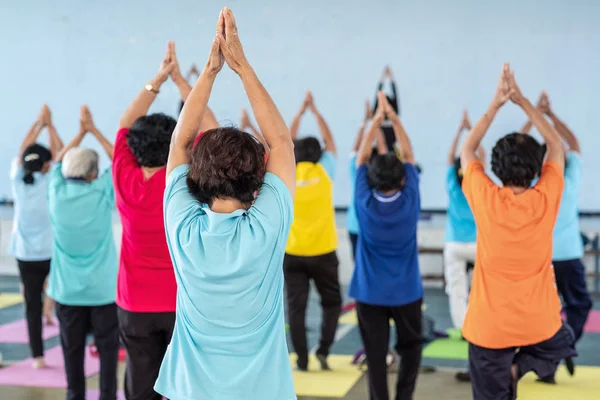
(351, 220)
(229, 341)
(31, 238)
(460, 225)
(329, 163)
(567, 243)
(84, 264)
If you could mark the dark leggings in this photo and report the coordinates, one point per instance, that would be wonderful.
(33, 276)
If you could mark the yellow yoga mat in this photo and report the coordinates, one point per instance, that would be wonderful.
(585, 385)
(10, 299)
(333, 384)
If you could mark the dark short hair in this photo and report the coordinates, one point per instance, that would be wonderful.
(386, 172)
(307, 150)
(149, 139)
(516, 160)
(33, 159)
(226, 163)
(458, 170)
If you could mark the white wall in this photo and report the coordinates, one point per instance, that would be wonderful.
(446, 55)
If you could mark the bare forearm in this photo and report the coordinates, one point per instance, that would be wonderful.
(56, 143)
(380, 141)
(209, 120)
(75, 142)
(454, 146)
(295, 125)
(106, 144)
(474, 138)
(359, 136)
(32, 135)
(565, 132)
(406, 150)
(550, 135)
(526, 128)
(365, 149)
(140, 105)
(325, 132)
(269, 119)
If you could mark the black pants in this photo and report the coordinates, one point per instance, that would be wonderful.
(75, 324)
(374, 325)
(33, 276)
(145, 337)
(491, 368)
(354, 243)
(323, 270)
(570, 280)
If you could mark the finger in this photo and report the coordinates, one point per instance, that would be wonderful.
(230, 27)
(221, 24)
(172, 52)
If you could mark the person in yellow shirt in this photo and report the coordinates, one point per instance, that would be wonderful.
(310, 253)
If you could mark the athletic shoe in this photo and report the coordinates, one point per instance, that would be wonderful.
(570, 365)
(549, 380)
(323, 360)
(463, 376)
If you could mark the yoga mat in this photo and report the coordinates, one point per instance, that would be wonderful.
(585, 385)
(593, 322)
(447, 349)
(53, 376)
(94, 394)
(334, 384)
(16, 332)
(10, 299)
(454, 334)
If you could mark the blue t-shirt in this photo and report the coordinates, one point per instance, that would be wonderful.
(31, 238)
(460, 225)
(328, 162)
(387, 259)
(229, 341)
(567, 243)
(84, 264)
(351, 220)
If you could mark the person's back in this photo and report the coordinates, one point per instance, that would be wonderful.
(567, 238)
(84, 249)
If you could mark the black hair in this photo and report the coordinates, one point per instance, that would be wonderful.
(307, 150)
(458, 170)
(149, 139)
(226, 163)
(386, 172)
(516, 160)
(33, 159)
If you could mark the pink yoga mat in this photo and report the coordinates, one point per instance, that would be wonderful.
(53, 376)
(16, 332)
(593, 322)
(94, 394)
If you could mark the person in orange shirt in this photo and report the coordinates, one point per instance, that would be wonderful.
(513, 322)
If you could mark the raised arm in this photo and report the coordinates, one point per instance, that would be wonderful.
(76, 141)
(245, 123)
(563, 130)
(295, 126)
(553, 141)
(363, 125)
(541, 105)
(366, 146)
(465, 124)
(270, 122)
(56, 143)
(406, 151)
(34, 131)
(89, 126)
(468, 152)
(141, 104)
(323, 127)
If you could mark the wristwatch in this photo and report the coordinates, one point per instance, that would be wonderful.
(150, 88)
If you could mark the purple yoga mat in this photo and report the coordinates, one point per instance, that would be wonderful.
(53, 376)
(16, 332)
(94, 394)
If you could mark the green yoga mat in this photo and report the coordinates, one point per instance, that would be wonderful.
(452, 349)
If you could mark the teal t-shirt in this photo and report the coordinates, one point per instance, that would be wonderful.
(84, 264)
(460, 223)
(31, 238)
(229, 341)
(351, 220)
(567, 243)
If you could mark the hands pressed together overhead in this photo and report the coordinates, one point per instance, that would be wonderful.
(226, 46)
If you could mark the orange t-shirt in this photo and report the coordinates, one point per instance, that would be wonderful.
(514, 301)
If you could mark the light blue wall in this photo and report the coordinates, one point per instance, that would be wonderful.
(446, 56)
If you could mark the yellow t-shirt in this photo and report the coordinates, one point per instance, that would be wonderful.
(313, 231)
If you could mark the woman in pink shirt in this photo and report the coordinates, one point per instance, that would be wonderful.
(146, 288)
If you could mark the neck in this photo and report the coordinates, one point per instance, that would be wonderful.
(516, 189)
(149, 171)
(226, 206)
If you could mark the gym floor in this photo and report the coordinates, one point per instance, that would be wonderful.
(447, 356)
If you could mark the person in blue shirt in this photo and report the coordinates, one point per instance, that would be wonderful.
(227, 219)
(83, 273)
(31, 240)
(567, 244)
(381, 148)
(386, 282)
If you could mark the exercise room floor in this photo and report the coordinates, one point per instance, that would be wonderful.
(18, 381)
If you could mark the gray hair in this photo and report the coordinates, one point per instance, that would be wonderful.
(80, 163)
